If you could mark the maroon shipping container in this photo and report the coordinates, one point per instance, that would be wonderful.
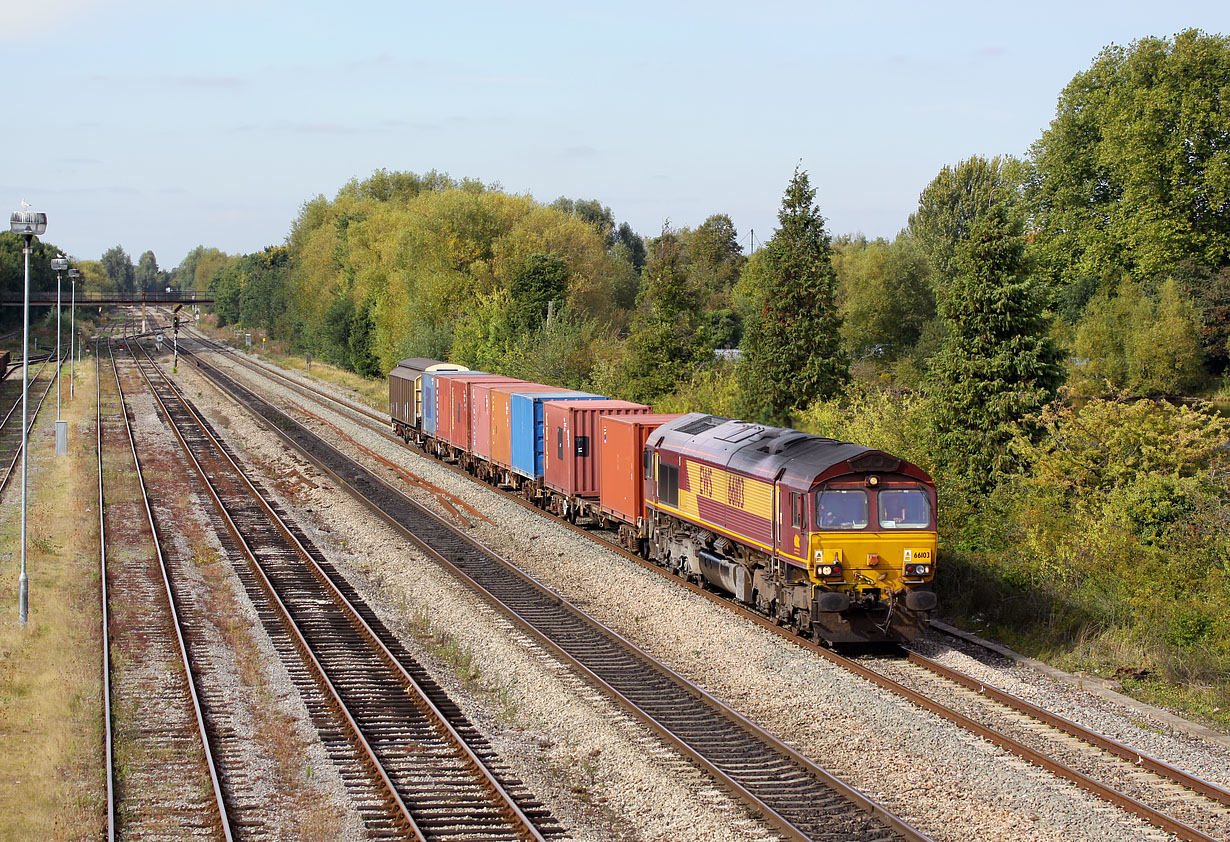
(480, 413)
(623, 470)
(501, 418)
(457, 432)
(572, 443)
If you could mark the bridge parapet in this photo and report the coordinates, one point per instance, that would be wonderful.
(111, 298)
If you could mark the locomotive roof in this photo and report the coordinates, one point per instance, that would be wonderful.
(759, 450)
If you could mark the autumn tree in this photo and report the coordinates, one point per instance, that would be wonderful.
(998, 363)
(792, 352)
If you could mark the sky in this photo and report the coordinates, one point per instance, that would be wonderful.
(162, 126)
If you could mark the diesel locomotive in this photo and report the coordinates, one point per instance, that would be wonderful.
(834, 540)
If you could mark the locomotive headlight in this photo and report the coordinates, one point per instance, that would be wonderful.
(918, 570)
(829, 570)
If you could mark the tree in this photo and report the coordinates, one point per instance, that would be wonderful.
(1146, 345)
(146, 276)
(997, 364)
(540, 282)
(665, 344)
(1210, 293)
(631, 245)
(1130, 177)
(885, 295)
(792, 351)
(952, 204)
(119, 268)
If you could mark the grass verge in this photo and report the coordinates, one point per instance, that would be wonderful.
(51, 756)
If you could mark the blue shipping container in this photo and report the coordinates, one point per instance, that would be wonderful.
(429, 403)
(525, 428)
(430, 408)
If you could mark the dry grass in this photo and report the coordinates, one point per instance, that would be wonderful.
(374, 393)
(51, 767)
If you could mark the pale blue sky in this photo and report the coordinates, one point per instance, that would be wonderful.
(164, 125)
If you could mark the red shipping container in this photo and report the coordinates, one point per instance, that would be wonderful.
(459, 417)
(572, 441)
(622, 482)
(444, 402)
(501, 418)
(480, 414)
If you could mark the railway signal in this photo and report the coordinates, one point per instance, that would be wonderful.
(175, 337)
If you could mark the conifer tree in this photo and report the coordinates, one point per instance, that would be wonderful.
(666, 342)
(792, 351)
(998, 363)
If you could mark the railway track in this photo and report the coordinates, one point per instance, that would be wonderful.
(164, 784)
(434, 776)
(10, 426)
(794, 795)
(1163, 795)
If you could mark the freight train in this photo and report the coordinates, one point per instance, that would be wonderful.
(834, 540)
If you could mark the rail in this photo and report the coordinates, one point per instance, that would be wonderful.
(1109, 794)
(223, 819)
(359, 692)
(775, 780)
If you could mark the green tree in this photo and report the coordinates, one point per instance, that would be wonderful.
(538, 284)
(998, 363)
(630, 245)
(1141, 344)
(885, 295)
(952, 204)
(1210, 293)
(792, 351)
(1131, 174)
(146, 276)
(119, 268)
(665, 344)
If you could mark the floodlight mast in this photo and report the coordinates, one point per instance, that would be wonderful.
(28, 224)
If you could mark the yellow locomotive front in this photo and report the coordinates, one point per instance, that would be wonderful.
(872, 553)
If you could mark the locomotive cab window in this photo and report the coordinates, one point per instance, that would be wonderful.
(796, 510)
(668, 484)
(841, 509)
(906, 508)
